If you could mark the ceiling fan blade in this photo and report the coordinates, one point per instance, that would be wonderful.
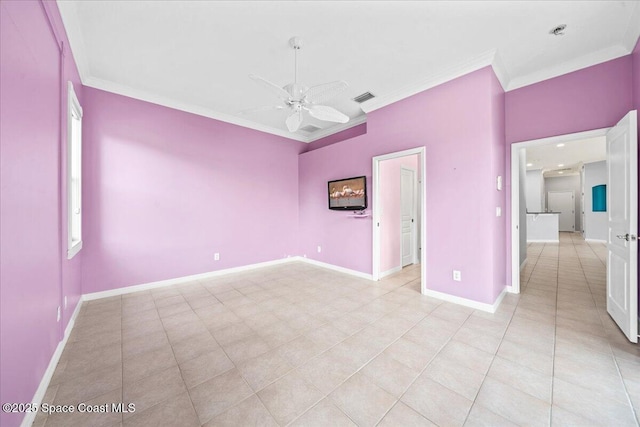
(328, 114)
(294, 121)
(275, 89)
(260, 109)
(324, 92)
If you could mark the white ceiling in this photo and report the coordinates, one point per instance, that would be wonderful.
(572, 155)
(196, 55)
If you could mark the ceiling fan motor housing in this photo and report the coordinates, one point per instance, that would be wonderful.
(299, 97)
(296, 90)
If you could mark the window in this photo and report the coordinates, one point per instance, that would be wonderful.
(74, 173)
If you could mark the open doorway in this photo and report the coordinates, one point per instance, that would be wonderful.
(615, 199)
(548, 191)
(399, 213)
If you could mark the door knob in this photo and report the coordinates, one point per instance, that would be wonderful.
(627, 237)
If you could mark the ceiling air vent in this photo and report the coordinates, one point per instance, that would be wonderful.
(364, 97)
(309, 128)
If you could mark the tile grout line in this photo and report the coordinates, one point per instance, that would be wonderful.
(555, 332)
(498, 348)
(295, 369)
(399, 399)
(327, 395)
(615, 359)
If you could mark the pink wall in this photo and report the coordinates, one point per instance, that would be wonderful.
(390, 212)
(71, 269)
(454, 122)
(592, 98)
(164, 190)
(34, 273)
(499, 224)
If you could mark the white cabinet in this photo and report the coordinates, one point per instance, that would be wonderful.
(543, 227)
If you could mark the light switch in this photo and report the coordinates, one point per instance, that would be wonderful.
(498, 211)
(499, 182)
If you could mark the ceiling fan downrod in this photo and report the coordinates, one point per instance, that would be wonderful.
(296, 44)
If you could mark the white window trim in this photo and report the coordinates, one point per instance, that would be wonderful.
(72, 105)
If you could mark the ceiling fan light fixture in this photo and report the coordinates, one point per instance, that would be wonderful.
(298, 97)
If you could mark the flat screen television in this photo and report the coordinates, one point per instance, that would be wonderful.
(349, 194)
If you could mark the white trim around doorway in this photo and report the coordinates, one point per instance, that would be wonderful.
(377, 274)
(515, 192)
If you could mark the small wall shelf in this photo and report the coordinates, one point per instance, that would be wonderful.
(359, 215)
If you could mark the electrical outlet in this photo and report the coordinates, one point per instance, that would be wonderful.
(216, 256)
(65, 302)
(457, 275)
(319, 248)
(58, 315)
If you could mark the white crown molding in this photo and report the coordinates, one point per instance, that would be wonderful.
(500, 71)
(567, 67)
(629, 41)
(71, 24)
(466, 67)
(632, 34)
(189, 108)
(212, 114)
(319, 134)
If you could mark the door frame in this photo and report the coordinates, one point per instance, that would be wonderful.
(515, 192)
(420, 151)
(573, 202)
(414, 229)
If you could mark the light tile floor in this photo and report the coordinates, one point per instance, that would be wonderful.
(303, 346)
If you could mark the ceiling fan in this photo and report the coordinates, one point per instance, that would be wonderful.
(297, 97)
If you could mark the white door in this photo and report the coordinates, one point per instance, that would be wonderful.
(563, 202)
(407, 214)
(622, 240)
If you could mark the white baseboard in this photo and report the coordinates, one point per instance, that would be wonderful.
(595, 240)
(53, 363)
(336, 268)
(391, 271)
(524, 263)
(489, 308)
(184, 279)
(543, 241)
